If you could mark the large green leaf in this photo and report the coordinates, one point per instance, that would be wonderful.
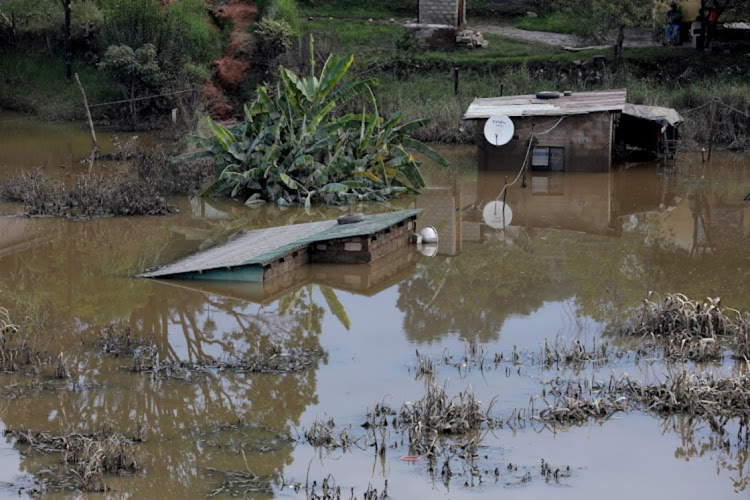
(352, 89)
(333, 73)
(223, 135)
(334, 187)
(335, 306)
(286, 179)
(289, 149)
(425, 150)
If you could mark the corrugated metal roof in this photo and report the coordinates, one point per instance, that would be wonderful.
(529, 105)
(262, 246)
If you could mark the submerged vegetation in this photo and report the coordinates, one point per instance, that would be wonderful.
(694, 330)
(90, 456)
(140, 190)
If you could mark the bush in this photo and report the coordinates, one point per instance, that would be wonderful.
(180, 33)
(292, 148)
(280, 10)
(273, 38)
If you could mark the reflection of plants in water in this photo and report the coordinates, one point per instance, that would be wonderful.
(80, 272)
(614, 274)
(734, 458)
(296, 300)
(182, 411)
(473, 293)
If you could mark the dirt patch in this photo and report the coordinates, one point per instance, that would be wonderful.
(229, 71)
(633, 37)
(217, 104)
(231, 67)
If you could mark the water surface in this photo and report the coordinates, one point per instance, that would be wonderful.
(579, 255)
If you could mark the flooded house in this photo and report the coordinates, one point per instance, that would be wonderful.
(568, 132)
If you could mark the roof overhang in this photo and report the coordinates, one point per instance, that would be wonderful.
(576, 103)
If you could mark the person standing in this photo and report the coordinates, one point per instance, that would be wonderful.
(672, 30)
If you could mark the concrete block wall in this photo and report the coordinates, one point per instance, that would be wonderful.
(343, 251)
(287, 263)
(439, 12)
(587, 140)
(434, 36)
(392, 239)
(363, 248)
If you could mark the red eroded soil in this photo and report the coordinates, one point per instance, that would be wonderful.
(230, 68)
(216, 103)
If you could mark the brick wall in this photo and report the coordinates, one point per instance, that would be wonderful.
(363, 248)
(286, 263)
(439, 12)
(587, 140)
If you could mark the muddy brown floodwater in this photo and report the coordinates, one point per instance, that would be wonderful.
(578, 257)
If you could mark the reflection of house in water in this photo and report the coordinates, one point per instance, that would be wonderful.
(594, 203)
(363, 279)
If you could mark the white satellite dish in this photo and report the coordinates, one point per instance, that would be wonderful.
(498, 130)
(497, 215)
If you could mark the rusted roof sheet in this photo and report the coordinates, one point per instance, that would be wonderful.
(262, 246)
(529, 105)
(662, 116)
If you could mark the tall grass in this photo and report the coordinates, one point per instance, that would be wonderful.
(557, 22)
(180, 33)
(36, 84)
(201, 39)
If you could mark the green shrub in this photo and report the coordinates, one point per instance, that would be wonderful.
(360, 8)
(293, 147)
(483, 9)
(273, 38)
(197, 74)
(280, 10)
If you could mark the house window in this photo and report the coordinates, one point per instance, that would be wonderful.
(540, 158)
(548, 159)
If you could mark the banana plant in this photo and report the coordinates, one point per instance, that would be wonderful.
(293, 147)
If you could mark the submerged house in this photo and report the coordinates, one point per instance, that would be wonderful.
(568, 132)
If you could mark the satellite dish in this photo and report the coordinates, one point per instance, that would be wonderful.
(497, 215)
(498, 130)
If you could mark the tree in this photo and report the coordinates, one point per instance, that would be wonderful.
(137, 71)
(611, 14)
